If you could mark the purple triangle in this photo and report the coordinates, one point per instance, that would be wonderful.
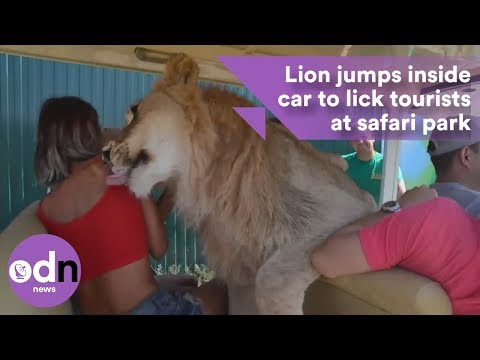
(255, 117)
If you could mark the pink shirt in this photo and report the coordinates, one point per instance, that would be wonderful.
(436, 239)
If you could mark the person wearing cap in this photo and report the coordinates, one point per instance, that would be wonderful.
(457, 168)
(420, 232)
(365, 167)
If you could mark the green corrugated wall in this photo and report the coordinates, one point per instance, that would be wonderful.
(26, 82)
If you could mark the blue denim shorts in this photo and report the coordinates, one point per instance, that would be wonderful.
(163, 302)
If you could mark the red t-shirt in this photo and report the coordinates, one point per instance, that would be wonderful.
(436, 239)
(110, 235)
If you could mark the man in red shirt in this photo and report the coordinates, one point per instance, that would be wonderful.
(421, 232)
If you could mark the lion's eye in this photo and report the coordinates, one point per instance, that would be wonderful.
(142, 158)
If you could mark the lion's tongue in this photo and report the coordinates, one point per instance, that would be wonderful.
(119, 178)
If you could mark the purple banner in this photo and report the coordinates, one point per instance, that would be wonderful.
(348, 98)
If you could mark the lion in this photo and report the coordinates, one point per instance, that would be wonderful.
(258, 205)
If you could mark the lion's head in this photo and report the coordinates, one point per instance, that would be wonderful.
(151, 147)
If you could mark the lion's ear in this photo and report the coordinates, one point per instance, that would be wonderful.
(180, 69)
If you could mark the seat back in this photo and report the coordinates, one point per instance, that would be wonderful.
(24, 225)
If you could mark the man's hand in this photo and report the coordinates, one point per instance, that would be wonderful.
(417, 195)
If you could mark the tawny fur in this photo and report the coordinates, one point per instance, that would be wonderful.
(258, 205)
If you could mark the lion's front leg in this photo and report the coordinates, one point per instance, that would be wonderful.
(282, 281)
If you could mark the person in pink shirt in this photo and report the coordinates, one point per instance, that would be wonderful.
(421, 232)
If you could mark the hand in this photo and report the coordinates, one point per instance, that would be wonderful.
(417, 195)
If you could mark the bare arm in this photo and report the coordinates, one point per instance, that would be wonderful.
(401, 189)
(360, 223)
(155, 216)
(342, 254)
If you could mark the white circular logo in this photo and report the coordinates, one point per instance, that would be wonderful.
(20, 271)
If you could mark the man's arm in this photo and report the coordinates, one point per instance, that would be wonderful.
(342, 252)
(412, 197)
(401, 184)
(401, 189)
(361, 223)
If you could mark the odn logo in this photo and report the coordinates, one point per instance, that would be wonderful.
(44, 270)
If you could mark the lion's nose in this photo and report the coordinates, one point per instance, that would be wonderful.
(106, 155)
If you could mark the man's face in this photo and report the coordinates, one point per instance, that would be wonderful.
(363, 146)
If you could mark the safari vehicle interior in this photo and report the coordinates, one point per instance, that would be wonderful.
(393, 291)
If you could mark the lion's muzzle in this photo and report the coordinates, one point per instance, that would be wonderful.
(116, 155)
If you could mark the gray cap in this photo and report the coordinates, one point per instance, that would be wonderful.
(438, 144)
